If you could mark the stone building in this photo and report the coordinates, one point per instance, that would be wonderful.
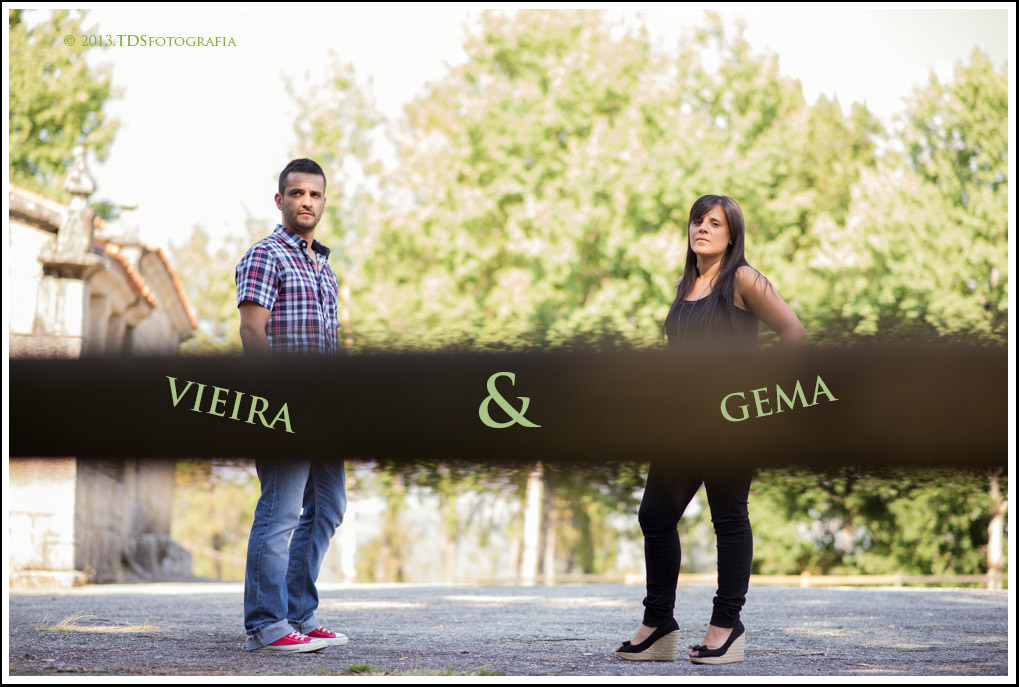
(83, 287)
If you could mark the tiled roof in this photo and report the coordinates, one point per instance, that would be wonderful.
(176, 283)
(134, 277)
(47, 214)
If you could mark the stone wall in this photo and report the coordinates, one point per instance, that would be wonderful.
(40, 536)
(74, 521)
(122, 521)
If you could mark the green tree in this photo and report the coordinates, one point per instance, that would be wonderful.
(924, 246)
(956, 133)
(496, 247)
(541, 197)
(214, 506)
(337, 125)
(956, 138)
(56, 101)
(447, 480)
(584, 500)
(871, 521)
(551, 176)
(207, 273)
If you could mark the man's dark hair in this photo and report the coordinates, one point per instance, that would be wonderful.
(301, 166)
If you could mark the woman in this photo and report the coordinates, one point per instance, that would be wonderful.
(719, 296)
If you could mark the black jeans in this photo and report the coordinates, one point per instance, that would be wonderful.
(668, 492)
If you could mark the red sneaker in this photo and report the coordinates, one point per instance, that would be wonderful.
(329, 637)
(295, 641)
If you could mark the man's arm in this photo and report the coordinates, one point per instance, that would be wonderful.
(254, 318)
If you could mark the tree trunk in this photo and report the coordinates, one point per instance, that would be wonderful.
(995, 555)
(448, 545)
(532, 525)
(348, 542)
(388, 563)
(548, 530)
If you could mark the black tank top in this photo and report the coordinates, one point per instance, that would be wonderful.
(686, 324)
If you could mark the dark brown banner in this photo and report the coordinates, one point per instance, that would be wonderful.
(909, 406)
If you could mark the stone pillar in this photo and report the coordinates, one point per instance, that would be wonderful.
(67, 262)
(995, 547)
(41, 531)
(115, 329)
(96, 322)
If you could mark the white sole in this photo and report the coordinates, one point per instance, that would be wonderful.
(295, 648)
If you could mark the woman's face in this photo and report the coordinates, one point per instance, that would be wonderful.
(709, 235)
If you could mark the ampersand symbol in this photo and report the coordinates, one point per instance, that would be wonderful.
(493, 394)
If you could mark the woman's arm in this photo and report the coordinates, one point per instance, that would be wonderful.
(761, 298)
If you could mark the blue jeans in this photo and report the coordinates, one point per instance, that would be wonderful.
(279, 580)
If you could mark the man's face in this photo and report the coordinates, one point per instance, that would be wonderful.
(302, 201)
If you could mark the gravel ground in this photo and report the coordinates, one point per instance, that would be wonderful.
(563, 630)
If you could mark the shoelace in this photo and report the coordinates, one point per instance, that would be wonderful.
(297, 636)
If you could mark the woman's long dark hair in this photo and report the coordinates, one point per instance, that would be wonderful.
(719, 308)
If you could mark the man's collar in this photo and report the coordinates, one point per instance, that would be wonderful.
(295, 241)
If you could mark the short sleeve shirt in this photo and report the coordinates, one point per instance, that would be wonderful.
(277, 274)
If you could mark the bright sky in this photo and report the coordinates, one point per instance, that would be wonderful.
(205, 130)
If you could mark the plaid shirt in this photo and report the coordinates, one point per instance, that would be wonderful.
(277, 274)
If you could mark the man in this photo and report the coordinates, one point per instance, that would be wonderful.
(287, 294)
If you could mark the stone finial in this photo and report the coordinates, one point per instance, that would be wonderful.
(72, 252)
(79, 182)
(124, 230)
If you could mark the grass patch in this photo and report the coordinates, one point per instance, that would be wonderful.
(72, 624)
(363, 668)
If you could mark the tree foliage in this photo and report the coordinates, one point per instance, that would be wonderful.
(540, 196)
(913, 522)
(957, 141)
(923, 248)
(214, 506)
(541, 190)
(551, 177)
(56, 101)
(206, 269)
